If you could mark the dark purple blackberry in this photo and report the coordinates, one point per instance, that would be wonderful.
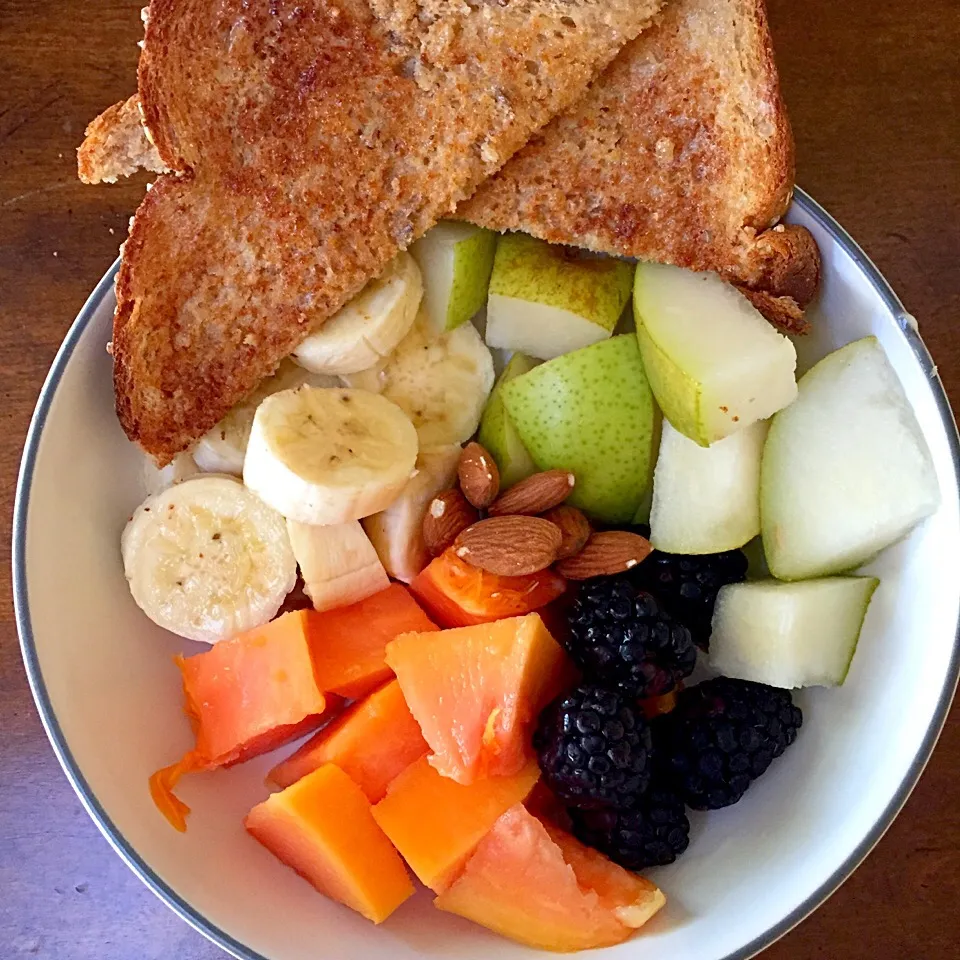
(594, 748)
(655, 833)
(688, 586)
(621, 637)
(721, 736)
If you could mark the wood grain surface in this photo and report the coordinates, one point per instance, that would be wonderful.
(873, 88)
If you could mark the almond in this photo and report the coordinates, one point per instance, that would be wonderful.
(574, 528)
(536, 494)
(479, 476)
(605, 554)
(510, 546)
(448, 514)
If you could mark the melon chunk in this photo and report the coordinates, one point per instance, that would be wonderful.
(476, 691)
(436, 822)
(539, 886)
(323, 829)
(373, 742)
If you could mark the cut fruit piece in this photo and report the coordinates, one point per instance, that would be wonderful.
(245, 697)
(455, 260)
(790, 634)
(707, 499)
(373, 742)
(457, 594)
(714, 363)
(397, 532)
(366, 329)
(477, 691)
(537, 885)
(436, 822)
(547, 300)
(499, 435)
(338, 563)
(348, 644)
(591, 413)
(846, 470)
(441, 384)
(322, 827)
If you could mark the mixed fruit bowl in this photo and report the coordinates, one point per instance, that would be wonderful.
(487, 601)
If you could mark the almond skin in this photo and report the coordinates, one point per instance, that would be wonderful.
(605, 554)
(448, 514)
(479, 476)
(510, 546)
(574, 528)
(535, 495)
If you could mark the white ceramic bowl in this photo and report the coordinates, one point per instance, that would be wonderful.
(110, 696)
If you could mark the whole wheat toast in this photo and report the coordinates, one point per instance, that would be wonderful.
(309, 142)
(681, 153)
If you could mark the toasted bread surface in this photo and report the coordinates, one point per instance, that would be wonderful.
(115, 145)
(682, 153)
(311, 141)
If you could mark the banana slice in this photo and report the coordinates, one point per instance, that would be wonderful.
(157, 479)
(397, 532)
(207, 559)
(327, 456)
(371, 379)
(441, 384)
(369, 326)
(221, 450)
(338, 563)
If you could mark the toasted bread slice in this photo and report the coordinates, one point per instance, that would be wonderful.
(310, 142)
(115, 145)
(681, 153)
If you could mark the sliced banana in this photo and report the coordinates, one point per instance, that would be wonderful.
(207, 559)
(327, 456)
(397, 532)
(157, 479)
(221, 449)
(441, 384)
(369, 326)
(338, 563)
(371, 379)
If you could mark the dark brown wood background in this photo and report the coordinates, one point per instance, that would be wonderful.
(874, 90)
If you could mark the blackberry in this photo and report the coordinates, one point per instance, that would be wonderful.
(722, 735)
(593, 746)
(653, 834)
(622, 637)
(688, 586)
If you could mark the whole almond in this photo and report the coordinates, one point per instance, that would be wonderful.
(479, 476)
(536, 494)
(448, 514)
(606, 553)
(574, 528)
(509, 546)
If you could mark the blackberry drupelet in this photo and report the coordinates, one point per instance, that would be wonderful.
(594, 748)
(688, 586)
(722, 736)
(653, 834)
(622, 637)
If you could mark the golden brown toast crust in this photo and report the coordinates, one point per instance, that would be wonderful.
(314, 140)
(115, 145)
(681, 153)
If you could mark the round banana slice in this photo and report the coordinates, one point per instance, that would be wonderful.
(441, 384)
(326, 456)
(207, 559)
(369, 326)
(221, 450)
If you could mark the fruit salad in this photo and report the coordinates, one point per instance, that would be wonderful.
(481, 604)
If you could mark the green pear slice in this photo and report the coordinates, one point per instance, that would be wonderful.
(714, 363)
(846, 470)
(548, 300)
(789, 634)
(499, 435)
(707, 499)
(455, 260)
(590, 412)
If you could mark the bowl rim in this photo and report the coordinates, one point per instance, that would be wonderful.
(240, 950)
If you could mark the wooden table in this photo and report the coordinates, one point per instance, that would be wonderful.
(874, 89)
